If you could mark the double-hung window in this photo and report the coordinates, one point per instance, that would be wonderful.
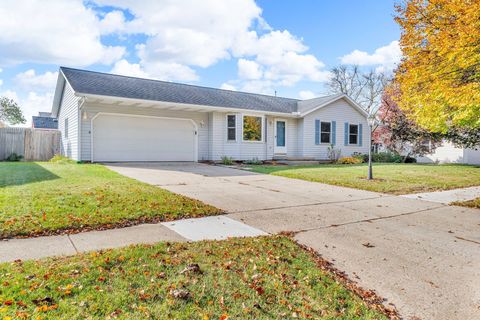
(325, 132)
(353, 134)
(231, 127)
(252, 128)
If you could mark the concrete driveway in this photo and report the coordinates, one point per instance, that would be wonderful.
(423, 257)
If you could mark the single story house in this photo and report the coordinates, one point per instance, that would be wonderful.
(106, 118)
(44, 120)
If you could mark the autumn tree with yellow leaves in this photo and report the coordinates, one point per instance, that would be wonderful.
(439, 76)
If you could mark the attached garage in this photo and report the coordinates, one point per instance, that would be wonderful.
(120, 137)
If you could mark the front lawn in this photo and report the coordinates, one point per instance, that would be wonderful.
(45, 198)
(250, 278)
(475, 203)
(389, 178)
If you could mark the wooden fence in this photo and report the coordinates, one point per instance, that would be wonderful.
(32, 144)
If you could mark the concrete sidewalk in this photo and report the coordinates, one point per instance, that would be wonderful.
(448, 196)
(207, 228)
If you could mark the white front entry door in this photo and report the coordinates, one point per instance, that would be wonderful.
(280, 145)
(118, 137)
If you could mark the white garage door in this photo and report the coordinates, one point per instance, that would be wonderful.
(134, 138)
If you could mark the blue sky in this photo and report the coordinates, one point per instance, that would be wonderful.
(257, 46)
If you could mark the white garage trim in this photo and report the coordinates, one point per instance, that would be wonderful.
(195, 151)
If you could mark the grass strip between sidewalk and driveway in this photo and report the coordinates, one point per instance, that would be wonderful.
(42, 198)
(388, 178)
(249, 278)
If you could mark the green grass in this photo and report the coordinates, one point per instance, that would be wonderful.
(254, 278)
(475, 203)
(45, 198)
(389, 178)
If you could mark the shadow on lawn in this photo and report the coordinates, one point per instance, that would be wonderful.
(18, 173)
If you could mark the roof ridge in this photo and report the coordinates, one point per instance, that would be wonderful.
(178, 83)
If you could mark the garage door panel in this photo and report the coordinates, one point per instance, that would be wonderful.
(131, 138)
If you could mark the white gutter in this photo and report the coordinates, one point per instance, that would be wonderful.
(183, 105)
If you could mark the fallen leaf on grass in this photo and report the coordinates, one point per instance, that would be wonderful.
(193, 268)
(46, 300)
(180, 294)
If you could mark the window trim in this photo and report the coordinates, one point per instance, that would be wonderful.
(262, 134)
(330, 133)
(234, 127)
(357, 134)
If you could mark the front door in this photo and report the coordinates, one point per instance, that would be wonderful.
(280, 137)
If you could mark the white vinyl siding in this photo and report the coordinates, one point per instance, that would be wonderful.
(340, 111)
(448, 153)
(198, 117)
(69, 110)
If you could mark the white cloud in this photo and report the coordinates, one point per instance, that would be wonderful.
(259, 86)
(113, 22)
(228, 86)
(191, 33)
(123, 67)
(160, 70)
(178, 37)
(280, 56)
(248, 69)
(386, 57)
(31, 103)
(1, 81)
(306, 94)
(29, 80)
(182, 34)
(54, 31)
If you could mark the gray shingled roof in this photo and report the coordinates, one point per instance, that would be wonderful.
(90, 82)
(44, 122)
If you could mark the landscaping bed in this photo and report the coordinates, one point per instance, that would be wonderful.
(388, 177)
(249, 278)
(43, 198)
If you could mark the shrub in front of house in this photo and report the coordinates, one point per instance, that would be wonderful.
(333, 153)
(386, 157)
(13, 157)
(383, 157)
(349, 160)
(360, 156)
(254, 161)
(228, 161)
(58, 158)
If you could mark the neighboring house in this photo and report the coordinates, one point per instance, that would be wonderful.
(3, 124)
(105, 117)
(448, 153)
(44, 120)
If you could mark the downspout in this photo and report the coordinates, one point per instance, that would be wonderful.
(79, 127)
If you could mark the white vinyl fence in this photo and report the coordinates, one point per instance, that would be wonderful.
(32, 144)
